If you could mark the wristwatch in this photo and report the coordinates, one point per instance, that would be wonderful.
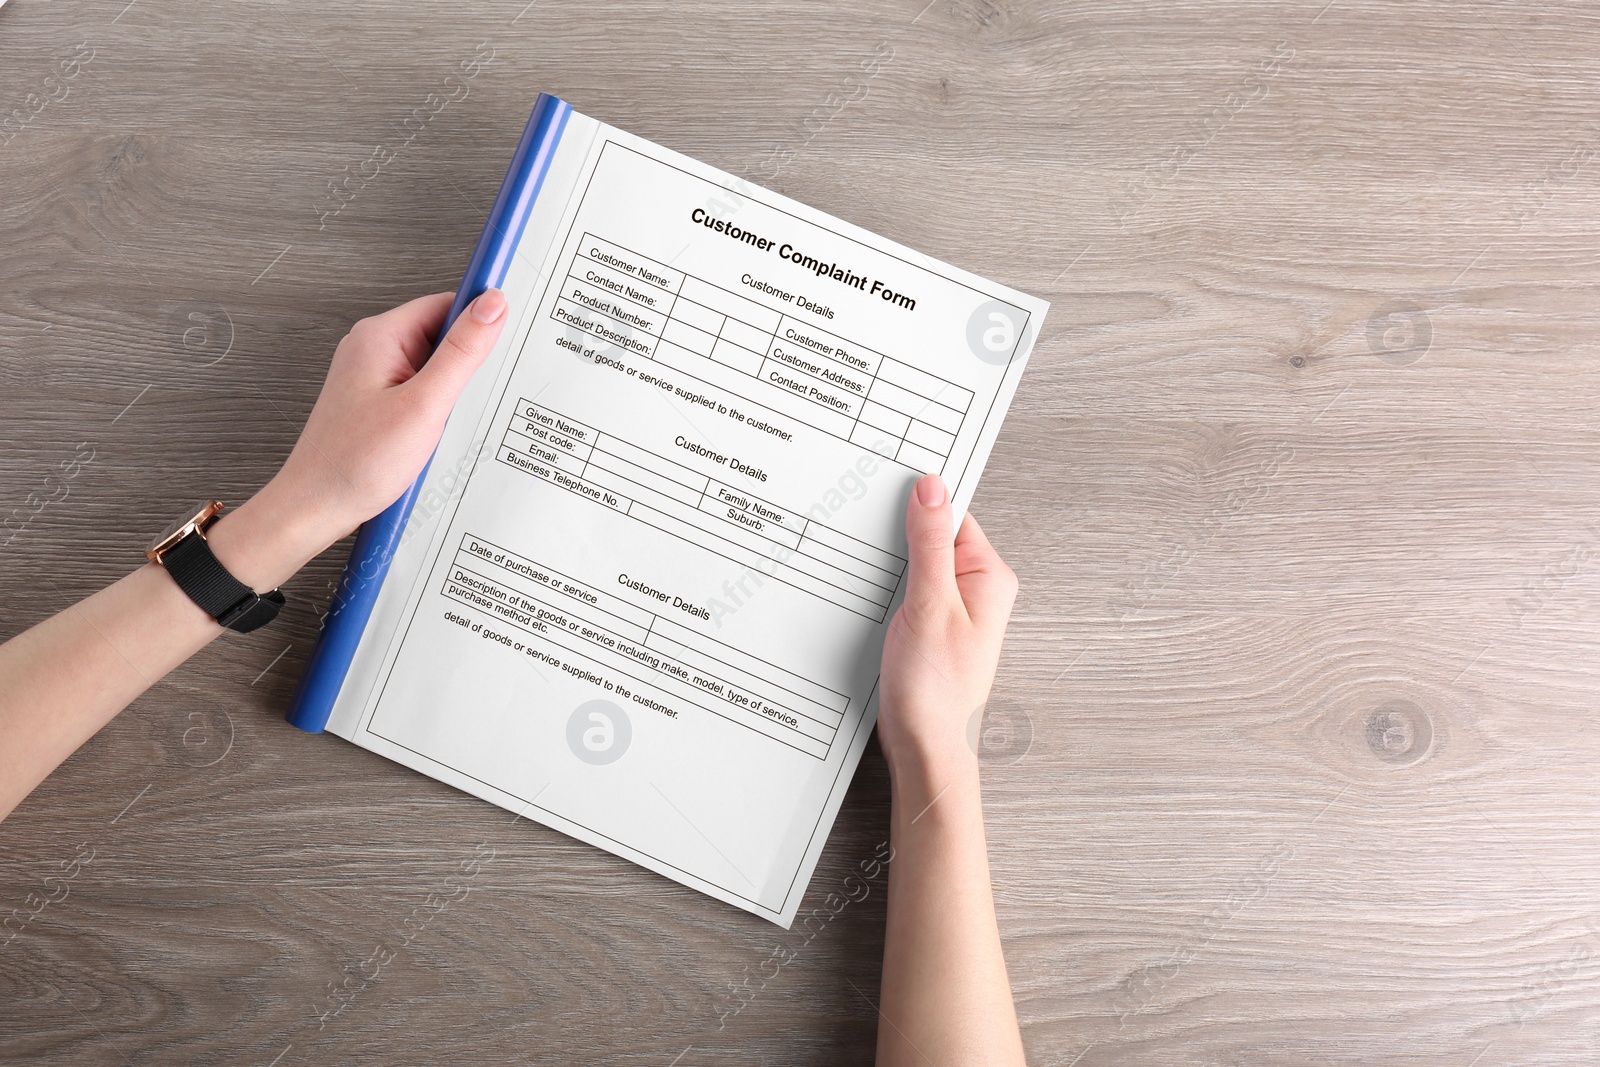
(183, 551)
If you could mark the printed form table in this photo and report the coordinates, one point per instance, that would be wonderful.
(652, 650)
(646, 308)
(770, 538)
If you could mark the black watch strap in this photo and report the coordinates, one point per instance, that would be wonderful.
(222, 596)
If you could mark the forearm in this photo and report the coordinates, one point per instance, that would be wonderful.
(389, 390)
(65, 678)
(946, 997)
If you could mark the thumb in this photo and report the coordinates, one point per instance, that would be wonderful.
(930, 535)
(463, 349)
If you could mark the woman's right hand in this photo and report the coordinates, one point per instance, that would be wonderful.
(943, 645)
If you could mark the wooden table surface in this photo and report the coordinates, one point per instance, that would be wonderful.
(1291, 756)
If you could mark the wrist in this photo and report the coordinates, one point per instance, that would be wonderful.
(937, 795)
(269, 537)
(922, 767)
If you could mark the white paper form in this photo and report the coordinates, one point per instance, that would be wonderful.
(649, 610)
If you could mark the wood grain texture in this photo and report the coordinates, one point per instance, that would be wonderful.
(1290, 758)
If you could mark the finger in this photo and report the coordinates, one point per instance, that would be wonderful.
(931, 577)
(462, 350)
(972, 547)
(414, 326)
(988, 587)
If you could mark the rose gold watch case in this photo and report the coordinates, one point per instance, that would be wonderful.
(201, 518)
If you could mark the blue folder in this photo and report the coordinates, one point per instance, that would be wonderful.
(379, 537)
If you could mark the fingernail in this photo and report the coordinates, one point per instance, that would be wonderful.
(930, 491)
(489, 306)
